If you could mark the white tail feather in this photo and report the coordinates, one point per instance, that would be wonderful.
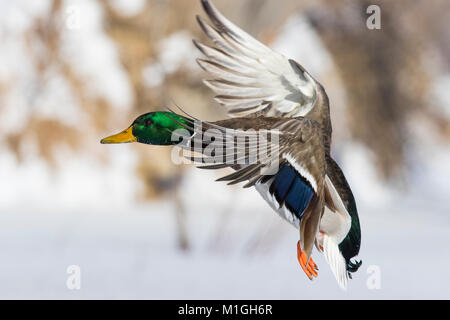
(335, 260)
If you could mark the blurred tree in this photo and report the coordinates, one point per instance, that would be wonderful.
(385, 71)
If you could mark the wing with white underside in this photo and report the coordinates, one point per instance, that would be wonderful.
(293, 149)
(248, 76)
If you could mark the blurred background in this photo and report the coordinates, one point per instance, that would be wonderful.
(138, 226)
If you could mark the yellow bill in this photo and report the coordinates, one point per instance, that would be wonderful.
(125, 136)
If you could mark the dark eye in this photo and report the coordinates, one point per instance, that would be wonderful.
(148, 122)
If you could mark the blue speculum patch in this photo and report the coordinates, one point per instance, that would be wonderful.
(292, 190)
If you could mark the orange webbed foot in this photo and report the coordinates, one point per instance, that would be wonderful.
(309, 268)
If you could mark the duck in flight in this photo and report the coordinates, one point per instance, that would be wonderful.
(266, 92)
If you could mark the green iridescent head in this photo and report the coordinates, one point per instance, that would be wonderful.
(154, 128)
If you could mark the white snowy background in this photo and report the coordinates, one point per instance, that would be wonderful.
(87, 214)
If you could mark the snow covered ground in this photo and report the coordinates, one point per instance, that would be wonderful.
(131, 252)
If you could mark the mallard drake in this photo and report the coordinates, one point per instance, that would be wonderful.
(298, 178)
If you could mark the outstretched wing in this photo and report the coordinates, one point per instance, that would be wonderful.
(250, 77)
(286, 153)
